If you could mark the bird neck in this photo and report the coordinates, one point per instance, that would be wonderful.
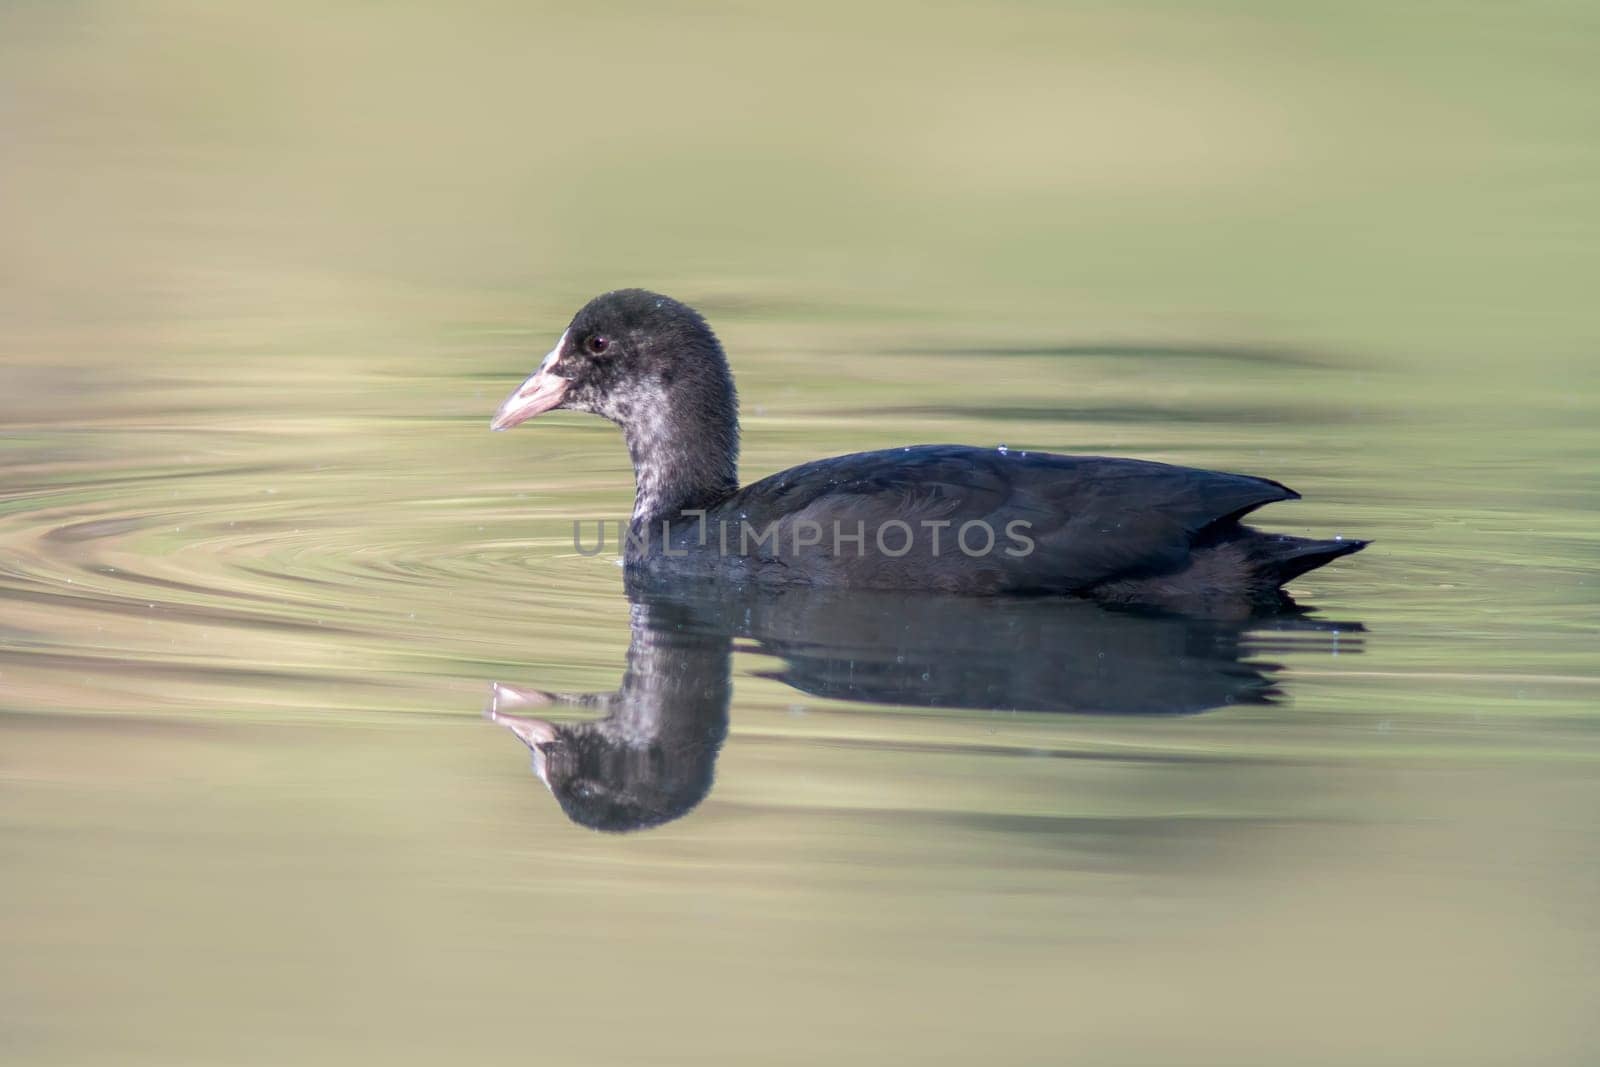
(685, 457)
(676, 684)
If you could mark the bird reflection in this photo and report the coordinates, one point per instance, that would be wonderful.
(650, 756)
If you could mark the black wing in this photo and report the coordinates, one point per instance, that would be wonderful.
(1089, 519)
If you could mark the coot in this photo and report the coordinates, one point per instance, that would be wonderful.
(951, 518)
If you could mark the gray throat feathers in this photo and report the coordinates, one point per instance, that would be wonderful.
(663, 679)
(670, 474)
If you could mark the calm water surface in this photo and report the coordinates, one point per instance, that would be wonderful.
(261, 563)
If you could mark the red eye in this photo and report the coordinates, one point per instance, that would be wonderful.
(597, 344)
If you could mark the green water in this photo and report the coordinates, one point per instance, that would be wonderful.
(268, 270)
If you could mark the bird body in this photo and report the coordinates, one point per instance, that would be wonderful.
(949, 518)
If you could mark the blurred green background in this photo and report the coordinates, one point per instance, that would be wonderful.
(265, 270)
(1412, 181)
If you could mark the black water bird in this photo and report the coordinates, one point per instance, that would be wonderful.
(948, 518)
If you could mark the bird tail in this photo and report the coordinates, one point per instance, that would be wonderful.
(1285, 558)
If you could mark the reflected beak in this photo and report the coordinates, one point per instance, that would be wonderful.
(532, 732)
(542, 391)
(503, 697)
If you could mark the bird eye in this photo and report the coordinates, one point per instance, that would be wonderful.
(597, 344)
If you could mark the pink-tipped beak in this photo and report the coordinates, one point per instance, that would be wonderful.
(535, 396)
(503, 697)
(533, 732)
(542, 391)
